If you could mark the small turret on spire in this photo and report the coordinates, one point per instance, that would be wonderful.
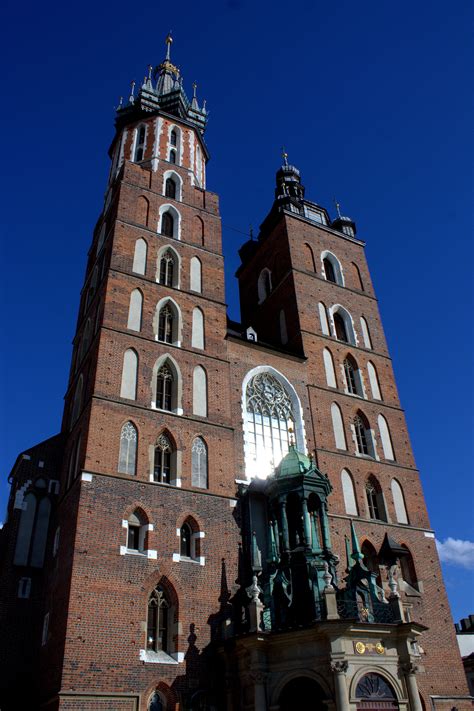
(343, 224)
(356, 554)
(131, 98)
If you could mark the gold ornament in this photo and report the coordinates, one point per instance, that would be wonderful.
(360, 647)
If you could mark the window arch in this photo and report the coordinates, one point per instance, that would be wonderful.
(137, 528)
(140, 137)
(353, 376)
(190, 539)
(348, 491)
(74, 461)
(128, 388)
(399, 502)
(77, 401)
(158, 623)
(199, 464)
(374, 381)
(198, 230)
(169, 223)
(172, 185)
(164, 460)
(357, 277)
(128, 449)
(264, 285)
(143, 210)
(329, 368)
(139, 256)
(197, 334)
(185, 536)
(134, 322)
(365, 333)
(33, 529)
(338, 427)
(375, 500)
(168, 267)
(343, 328)
(310, 257)
(167, 385)
(174, 141)
(199, 391)
(156, 703)
(323, 318)
(195, 275)
(168, 322)
(386, 438)
(332, 269)
(363, 435)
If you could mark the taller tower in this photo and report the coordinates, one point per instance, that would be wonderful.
(231, 517)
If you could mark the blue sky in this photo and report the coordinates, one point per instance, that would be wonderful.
(373, 103)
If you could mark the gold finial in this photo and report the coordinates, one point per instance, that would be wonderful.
(284, 155)
(292, 439)
(169, 42)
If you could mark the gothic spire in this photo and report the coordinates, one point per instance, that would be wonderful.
(356, 554)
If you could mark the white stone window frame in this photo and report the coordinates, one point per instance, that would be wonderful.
(178, 181)
(197, 535)
(135, 145)
(179, 144)
(179, 326)
(336, 265)
(176, 459)
(168, 207)
(299, 433)
(370, 433)
(359, 375)
(177, 275)
(348, 320)
(143, 552)
(178, 409)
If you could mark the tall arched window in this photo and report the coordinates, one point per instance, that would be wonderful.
(357, 277)
(140, 144)
(329, 369)
(157, 624)
(329, 270)
(310, 263)
(332, 270)
(164, 388)
(195, 275)
(363, 435)
(365, 333)
(172, 157)
(128, 449)
(142, 211)
(386, 439)
(165, 324)
(353, 377)
(33, 530)
(374, 381)
(270, 412)
(375, 500)
(323, 318)
(167, 268)
(77, 402)
(128, 388)
(173, 138)
(199, 391)
(264, 285)
(170, 188)
(338, 427)
(199, 471)
(139, 257)
(399, 502)
(134, 322)
(197, 334)
(156, 703)
(167, 224)
(162, 460)
(348, 491)
(185, 541)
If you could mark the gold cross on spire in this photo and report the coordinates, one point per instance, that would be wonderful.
(284, 155)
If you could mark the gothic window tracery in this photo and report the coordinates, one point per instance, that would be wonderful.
(353, 379)
(363, 435)
(167, 267)
(165, 325)
(157, 625)
(164, 388)
(167, 224)
(128, 449)
(140, 145)
(270, 418)
(162, 462)
(199, 465)
(375, 500)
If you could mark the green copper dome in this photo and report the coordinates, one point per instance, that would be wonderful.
(293, 464)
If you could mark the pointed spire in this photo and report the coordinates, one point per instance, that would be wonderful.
(356, 554)
(338, 208)
(120, 104)
(131, 98)
(194, 102)
(169, 42)
(255, 556)
(272, 549)
(284, 155)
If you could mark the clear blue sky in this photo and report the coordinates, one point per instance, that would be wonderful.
(372, 101)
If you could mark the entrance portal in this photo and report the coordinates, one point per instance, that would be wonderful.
(302, 693)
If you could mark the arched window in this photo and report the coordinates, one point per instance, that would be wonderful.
(156, 703)
(172, 158)
(134, 322)
(399, 502)
(164, 388)
(128, 388)
(374, 381)
(199, 467)
(311, 264)
(407, 567)
(128, 449)
(77, 402)
(264, 285)
(137, 526)
(386, 439)
(198, 231)
(140, 144)
(157, 625)
(283, 331)
(166, 324)
(323, 317)
(173, 138)
(139, 257)
(162, 460)
(195, 275)
(348, 491)
(143, 210)
(365, 333)
(199, 391)
(338, 427)
(167, 224)
(167, 268)
(270, 416)
(353, 377)
(357, 277)
(329, 369)
(363, 435)
(343, 328)
(74, 461)
(375, 500)
(374, 692)
(197, 335)
(33, 530)
(332, 268)
(170, 188)
(185, 541)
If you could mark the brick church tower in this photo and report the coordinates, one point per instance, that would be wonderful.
(231, 517)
